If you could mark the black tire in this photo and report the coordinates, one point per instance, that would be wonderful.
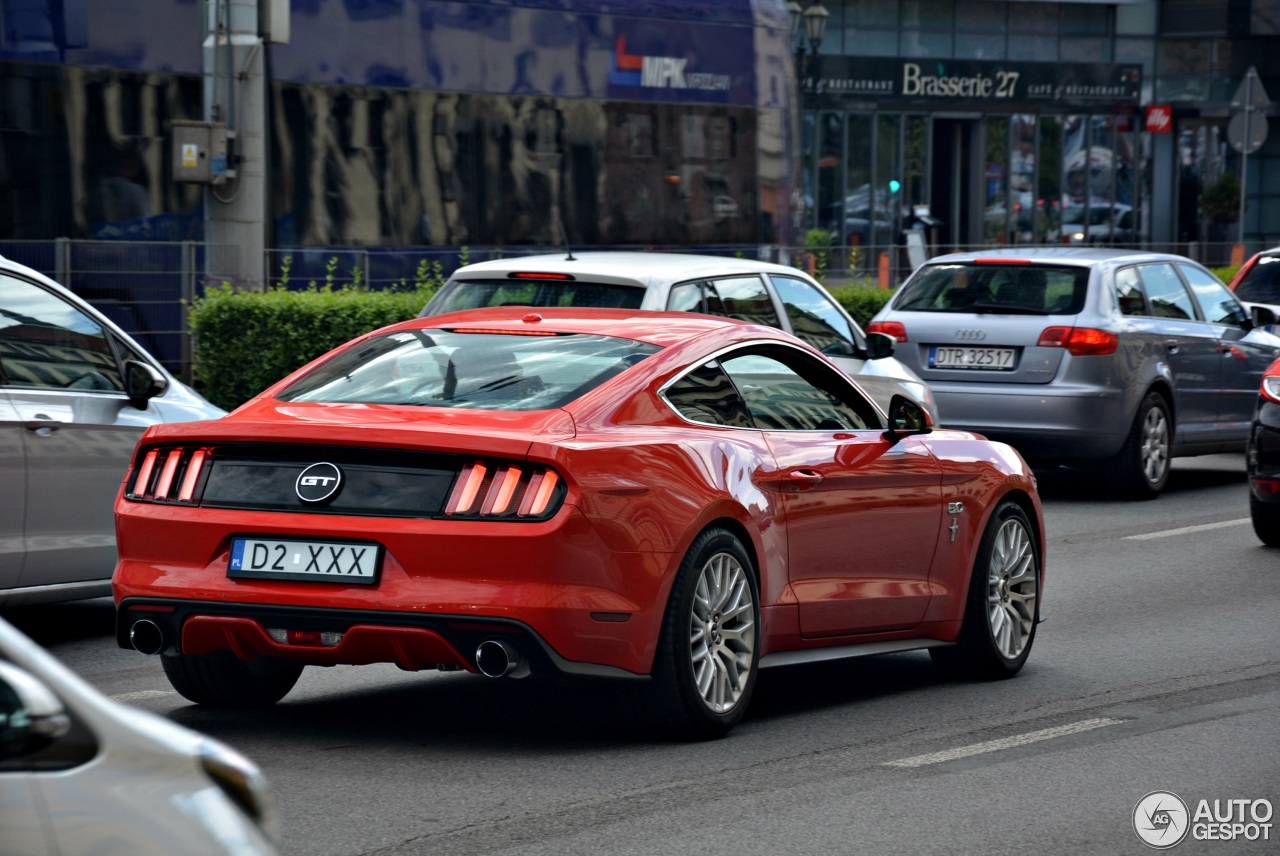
(1141, 470)
(222, 680)
(1266, 520)
(1008, 559)
(672, 701)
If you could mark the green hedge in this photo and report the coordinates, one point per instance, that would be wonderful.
(244, 341)
(861, 301)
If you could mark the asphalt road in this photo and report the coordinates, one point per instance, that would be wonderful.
(1157, 669)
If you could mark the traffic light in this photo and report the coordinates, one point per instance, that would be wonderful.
(894, 185)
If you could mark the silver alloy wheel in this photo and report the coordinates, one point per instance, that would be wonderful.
(1012, 587)
(722, 632)
(1155, 445)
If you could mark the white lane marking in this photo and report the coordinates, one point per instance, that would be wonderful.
(1169, 533)
(143, 694)
(1003, 743)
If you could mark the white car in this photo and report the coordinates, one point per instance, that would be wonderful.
(81, 774)
(760, 292)
(76, 393)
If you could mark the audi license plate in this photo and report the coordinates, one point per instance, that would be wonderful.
(990, 359)
(319, 561)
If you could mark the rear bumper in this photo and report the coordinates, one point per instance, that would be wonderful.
(411, 641)
(1043, 422)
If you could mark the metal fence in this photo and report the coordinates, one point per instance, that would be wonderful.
(146, 287)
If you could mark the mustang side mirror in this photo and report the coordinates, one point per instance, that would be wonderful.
(906, 417)
(880, 345)
(142, 383)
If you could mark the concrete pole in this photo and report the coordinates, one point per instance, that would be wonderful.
(235, 93)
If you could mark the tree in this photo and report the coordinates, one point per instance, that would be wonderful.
(1220, 201)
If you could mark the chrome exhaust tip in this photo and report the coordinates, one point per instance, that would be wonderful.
(146, 637)
(498, 659)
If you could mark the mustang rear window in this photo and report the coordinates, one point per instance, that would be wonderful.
(478, 293)
(500, 370)
(1018, 289)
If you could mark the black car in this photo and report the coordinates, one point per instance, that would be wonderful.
(1264, 460)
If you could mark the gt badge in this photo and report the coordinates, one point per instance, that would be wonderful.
(318, 483)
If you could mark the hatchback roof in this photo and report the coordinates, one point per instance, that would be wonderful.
(1059, 255)
(649, 268)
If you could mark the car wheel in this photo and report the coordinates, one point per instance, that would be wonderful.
(706, 663)
(1141, 470)
(222, 680)
(1266, 520)
(1003, 601)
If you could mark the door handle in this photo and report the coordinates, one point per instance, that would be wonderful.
(804, 479)
(1172, 345)
(42, 425)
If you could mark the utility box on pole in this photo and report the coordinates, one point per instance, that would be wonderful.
(200, 152)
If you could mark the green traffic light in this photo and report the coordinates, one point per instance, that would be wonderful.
(894, 185)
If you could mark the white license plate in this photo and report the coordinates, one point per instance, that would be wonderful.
(322, 561)
(950, 357)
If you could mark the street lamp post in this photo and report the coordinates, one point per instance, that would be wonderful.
(815, 27)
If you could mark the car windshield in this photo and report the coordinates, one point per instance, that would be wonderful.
(477, 293)
(1262, 283)
(481, 369)
(1021, 289)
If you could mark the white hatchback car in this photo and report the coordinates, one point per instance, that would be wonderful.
(760, 292)
(76, 393)
(81, 774)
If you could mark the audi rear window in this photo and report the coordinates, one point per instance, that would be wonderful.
(1262, 283)
(478, 293)
(1018, 289)
(485, 370)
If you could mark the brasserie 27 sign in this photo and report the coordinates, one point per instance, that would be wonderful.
(971, 82)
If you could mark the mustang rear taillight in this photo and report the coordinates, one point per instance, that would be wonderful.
(168, 475)
(1080, 341)
(505, 491)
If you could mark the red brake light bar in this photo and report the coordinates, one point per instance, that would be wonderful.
(1080, 341)
(534, 275)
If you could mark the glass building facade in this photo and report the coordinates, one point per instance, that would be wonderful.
(1027, 121)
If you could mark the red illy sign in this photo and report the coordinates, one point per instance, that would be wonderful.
(1159, 119)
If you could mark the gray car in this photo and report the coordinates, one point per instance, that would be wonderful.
(76, 393)
(761, 292)
(1083, 355)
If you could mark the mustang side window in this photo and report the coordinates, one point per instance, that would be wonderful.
(786, 390)
(707, 395)
(814, 318)
(46, 342)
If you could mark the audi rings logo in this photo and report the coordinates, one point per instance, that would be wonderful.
(971, 335)
(1161, 819)
(318, 483)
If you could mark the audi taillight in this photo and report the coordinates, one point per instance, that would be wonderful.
(896, 329)
(168, 475)
(1080, 341)
(505, 491)
(1271, 383)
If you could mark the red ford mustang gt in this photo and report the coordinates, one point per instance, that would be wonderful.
(668, 499)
